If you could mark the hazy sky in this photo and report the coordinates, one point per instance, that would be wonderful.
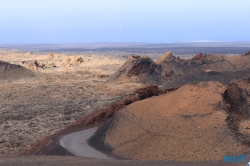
(81, 21)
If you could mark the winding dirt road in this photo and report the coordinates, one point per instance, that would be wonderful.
(77, 144)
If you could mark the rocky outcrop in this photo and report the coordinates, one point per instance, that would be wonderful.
(36, 65)
(70, 62)
(138, 69)
(51, 56)
(237, 95)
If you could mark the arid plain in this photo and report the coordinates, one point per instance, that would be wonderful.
(55, 91)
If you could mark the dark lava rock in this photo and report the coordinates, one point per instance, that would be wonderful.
(237, 96)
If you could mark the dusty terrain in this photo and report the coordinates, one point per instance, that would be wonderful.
(62, 89)
(191, 123)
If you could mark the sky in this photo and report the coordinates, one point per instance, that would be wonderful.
(99, 21)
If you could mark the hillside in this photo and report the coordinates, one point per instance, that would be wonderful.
(189, 124)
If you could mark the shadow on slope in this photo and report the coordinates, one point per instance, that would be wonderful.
(11, 72)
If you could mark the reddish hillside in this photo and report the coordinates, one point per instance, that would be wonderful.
(190, 123)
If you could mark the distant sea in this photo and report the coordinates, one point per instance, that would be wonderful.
(148, 49)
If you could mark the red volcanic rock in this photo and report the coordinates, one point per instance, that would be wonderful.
(198, 56)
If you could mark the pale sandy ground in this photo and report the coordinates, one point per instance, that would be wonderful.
(31, 109)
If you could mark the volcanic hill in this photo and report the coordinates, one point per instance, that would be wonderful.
(197, 122)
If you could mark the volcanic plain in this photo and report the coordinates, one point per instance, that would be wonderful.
(167, 108)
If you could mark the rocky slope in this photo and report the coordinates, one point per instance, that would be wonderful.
(172, 71)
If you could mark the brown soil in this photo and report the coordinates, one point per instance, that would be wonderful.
(187, 124)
